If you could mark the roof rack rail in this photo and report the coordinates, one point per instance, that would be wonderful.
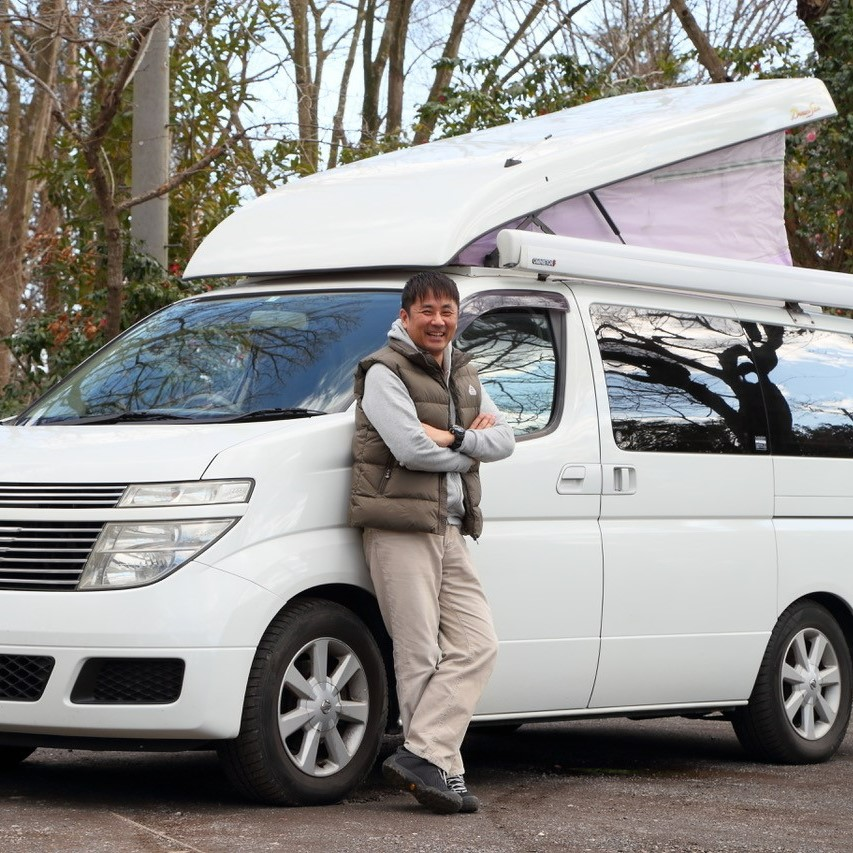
(594, 260)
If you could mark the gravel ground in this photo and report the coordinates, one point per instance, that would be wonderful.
(663, 786)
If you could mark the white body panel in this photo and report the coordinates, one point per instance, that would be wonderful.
(660, 596)
(622, 580)
(204, 616)
(691, 530)
(540, 558)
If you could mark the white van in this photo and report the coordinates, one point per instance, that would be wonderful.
(672, 535)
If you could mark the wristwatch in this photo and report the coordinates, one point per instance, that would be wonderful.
(458, 436)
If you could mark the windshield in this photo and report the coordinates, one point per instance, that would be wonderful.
(227, 359)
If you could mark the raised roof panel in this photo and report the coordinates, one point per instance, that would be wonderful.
(421, 206)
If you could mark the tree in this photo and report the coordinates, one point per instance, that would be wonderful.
(268, 91)
(29, 54)
(819, 179)
(707, 55)
(113, 48)
(70, 200)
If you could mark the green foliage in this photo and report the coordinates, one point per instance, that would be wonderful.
(819, 178)
(478, 99)
(62, 320)
(746, 61)
(51, 343)
(210, 59)
(210, 84)
(383, 145)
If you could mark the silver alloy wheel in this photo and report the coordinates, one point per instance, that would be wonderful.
(811, 684)
(323, 707)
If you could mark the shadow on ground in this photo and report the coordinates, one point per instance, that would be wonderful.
(194, 779)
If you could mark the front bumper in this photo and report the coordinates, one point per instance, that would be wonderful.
(208, 706)
(209, 620)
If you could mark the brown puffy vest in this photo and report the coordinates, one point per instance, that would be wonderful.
(389, 496)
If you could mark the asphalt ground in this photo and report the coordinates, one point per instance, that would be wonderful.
(662, 786)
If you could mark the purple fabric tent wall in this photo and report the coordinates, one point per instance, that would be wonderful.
(728, 203)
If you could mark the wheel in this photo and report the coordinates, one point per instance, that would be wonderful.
(315, 709)
(11, 756)
(800, 705)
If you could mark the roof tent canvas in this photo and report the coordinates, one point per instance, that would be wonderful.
(728, 203)
(696, 169)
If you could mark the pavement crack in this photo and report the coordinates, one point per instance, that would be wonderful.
(185, 848)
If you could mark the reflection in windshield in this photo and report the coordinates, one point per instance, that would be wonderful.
(227, 358)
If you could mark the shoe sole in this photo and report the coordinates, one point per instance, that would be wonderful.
(432, 798)
(470, 804)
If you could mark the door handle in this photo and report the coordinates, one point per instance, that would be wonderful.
(620, 480)
(579, 480)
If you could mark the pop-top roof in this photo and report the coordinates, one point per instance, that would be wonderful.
(421, 206)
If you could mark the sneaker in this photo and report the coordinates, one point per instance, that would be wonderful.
(423, 780)
(469, 802)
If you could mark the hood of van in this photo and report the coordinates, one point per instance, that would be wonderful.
(118, 454)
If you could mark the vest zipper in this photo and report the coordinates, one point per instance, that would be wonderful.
(385, 478)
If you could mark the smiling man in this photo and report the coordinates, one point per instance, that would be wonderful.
(423, 425)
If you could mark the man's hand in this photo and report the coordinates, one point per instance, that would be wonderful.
(483, 421)
(444, 438)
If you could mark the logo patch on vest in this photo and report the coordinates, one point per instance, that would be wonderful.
(472, 390)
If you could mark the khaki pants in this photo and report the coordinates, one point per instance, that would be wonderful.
(444, 641)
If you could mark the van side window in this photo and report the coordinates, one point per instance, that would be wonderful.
(808, 388)
(679, 383)
(513, 350)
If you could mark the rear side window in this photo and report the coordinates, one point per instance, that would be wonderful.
(515, 355)
(808, 387)
(679, 383)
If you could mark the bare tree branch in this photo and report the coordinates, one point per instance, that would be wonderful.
(179, 177)
(707, 55)
(444, 72)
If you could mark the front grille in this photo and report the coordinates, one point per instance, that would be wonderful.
(59, 496)
(24, 677)
(45, 555)
(129, 681)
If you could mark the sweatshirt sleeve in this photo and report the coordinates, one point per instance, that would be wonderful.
(489, 445)
(390, 409)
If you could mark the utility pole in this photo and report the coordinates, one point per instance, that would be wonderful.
(149, 225)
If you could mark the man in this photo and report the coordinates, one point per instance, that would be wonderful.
(423, 425)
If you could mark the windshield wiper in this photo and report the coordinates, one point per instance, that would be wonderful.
(273, 414)
(155, 415)
(121, 417)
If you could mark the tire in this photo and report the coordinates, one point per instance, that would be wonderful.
(315, 709)
(800, 705)
(12, 756)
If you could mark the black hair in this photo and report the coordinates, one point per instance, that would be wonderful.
(428, 283)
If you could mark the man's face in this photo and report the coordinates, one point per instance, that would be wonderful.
(431, 324)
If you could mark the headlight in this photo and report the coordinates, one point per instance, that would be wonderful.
(140, 552)
(193, 493)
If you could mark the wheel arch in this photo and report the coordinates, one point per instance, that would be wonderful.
(838, 608)
(311, 761)
(768, 727)
(366, 607)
